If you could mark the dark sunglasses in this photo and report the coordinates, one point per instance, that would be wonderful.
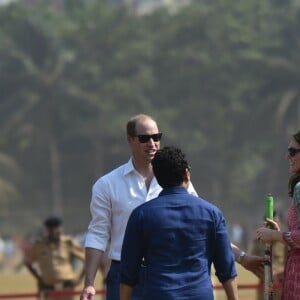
(293, 151)
(145, 138)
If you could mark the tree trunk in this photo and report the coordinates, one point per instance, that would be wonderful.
(55, 165)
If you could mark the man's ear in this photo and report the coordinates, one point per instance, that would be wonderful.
(186, 175)
(129, 139)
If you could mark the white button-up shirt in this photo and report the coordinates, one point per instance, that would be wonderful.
(114, 196)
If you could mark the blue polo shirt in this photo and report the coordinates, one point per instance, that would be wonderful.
(177, 237)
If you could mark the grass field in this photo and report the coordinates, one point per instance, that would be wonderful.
(23, 282)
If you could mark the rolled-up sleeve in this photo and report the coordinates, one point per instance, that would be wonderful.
(98, 233)
(223, 259)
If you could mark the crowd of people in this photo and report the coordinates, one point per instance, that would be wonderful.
(165, 247)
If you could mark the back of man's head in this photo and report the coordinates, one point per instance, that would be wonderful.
(169, 166)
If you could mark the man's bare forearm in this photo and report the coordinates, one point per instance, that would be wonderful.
(230, 287)
(125, 292)
(92, 262)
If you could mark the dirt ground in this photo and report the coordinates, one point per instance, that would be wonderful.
(20, 282)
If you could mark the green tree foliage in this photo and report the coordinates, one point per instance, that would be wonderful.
(9, 176)
(221, 77)
(38, 108)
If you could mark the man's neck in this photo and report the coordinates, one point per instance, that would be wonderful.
(145, 169)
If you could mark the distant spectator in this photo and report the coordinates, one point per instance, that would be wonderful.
(237, 234)
(50, 260)
(9, 247)
(1, 252)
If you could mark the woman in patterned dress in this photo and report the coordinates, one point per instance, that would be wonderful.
(291, 279)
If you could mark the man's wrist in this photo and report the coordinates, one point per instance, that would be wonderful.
(241, 257)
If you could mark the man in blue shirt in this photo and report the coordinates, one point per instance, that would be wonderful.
(176, 237)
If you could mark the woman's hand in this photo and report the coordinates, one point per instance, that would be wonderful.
(272, 224)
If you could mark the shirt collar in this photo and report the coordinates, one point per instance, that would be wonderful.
(129, 167)
(174, 190)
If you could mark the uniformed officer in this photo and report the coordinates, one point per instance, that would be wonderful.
(51, 260)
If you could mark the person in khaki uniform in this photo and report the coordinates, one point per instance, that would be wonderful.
(51, 260)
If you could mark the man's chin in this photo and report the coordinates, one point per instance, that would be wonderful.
(151, 156)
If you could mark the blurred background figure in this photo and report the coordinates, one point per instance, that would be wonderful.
(53, 260)
(1, 252)
(278, 260)
(237, 234)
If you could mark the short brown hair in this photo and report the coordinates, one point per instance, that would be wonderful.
(131, 124)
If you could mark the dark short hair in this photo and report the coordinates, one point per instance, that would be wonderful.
(169, 165)
(53, 221)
